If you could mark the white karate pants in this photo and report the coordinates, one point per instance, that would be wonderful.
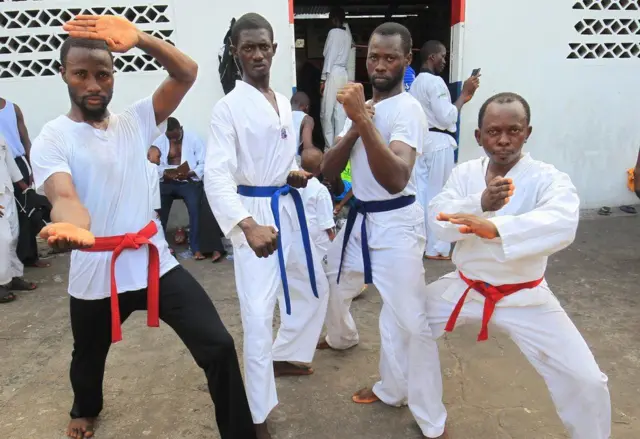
(332, 114)
(548, 338)
(10, 265)
(432, 172)
(259, 284)
(409, 362)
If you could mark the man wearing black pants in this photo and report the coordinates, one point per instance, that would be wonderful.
(92, 166)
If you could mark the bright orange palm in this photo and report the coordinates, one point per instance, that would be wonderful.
(67, 235)
(118, 32)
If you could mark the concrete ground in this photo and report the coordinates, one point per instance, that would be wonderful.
(153, 389)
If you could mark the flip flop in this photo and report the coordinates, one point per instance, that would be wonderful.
(604, 211)
(6, 296)
(19, 284)
(361, 398)
(219, 259)
(629, 209)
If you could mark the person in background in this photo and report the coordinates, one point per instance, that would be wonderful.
(337, 50)
(409, 77)
(179, 147)
(303, 124)
(435, 164)
(636, 181)
(11, 269)
(318, 205)
(153, 155)
(32, 209)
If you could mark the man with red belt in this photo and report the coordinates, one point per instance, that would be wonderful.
(92, 166)
(507, 214)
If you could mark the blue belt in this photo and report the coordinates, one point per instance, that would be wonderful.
(275, 192)
(365, 207)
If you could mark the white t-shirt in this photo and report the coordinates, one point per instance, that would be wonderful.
(111, 175)
(399, 118)
(318, 208)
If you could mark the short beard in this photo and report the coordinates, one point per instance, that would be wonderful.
(393, 83)
(95, 115)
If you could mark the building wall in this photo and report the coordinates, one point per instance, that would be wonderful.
(578, 68)
(29, 35)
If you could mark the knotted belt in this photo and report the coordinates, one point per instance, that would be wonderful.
(117, 244)
(275, 192)
(363, 208)
(492, 295)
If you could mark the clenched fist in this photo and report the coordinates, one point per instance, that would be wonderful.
(299, 179)
(351, 96)
(497, 194)
(263, 240)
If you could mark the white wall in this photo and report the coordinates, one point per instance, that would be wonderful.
(199, 26)
(586, 112)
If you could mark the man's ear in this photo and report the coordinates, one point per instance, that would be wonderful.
(409, 59)
(275, 48)
(63, 71)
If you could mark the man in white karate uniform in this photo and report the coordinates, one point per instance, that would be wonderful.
(507, 214)
(335, 75)
(434, 166)
(249, 167)
(10, 266)
(384, 235)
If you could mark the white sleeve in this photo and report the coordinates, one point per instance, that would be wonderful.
(347, 127)
(154, 182)
(12, 167)
(145, 118)
(329, 53)
(49, 155)
(453, 199)
(219, 171)
(444, 112)
(199, 152)
(324, 209)
(409, 126)
(545, 230)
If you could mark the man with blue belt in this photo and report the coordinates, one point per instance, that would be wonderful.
(249, 170)
(384, 236)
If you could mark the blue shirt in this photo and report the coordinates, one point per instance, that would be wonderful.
(409, 77)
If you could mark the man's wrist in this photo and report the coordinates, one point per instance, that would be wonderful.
(247, 224)
(143, 40)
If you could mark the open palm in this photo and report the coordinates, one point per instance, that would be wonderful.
(118, 32)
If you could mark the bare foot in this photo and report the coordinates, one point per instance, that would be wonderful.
(81, 428)
(198, 256)
(262, 431)
(284, 368)
(365, 396)
(39, 264)
(323, 345)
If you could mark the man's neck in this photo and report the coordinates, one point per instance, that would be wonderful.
(382, 95)
(502, 170)
(426, 68)
(261, 84)
(77, 115)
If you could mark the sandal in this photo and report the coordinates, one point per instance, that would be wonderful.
(19, 284)
(6, 296)
(629, 209)
(220, 258)
(604, 211)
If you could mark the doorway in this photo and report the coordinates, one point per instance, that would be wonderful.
(426, 19)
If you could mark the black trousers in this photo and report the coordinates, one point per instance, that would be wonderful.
(210, 233)
(186, 307)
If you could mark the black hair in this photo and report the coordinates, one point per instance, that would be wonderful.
(83, 43)
(156, 148)
(390, 29)
(429, 48)
(504, 98)
(300, 99)
(250, 21)
(338, 13)
(172, 124)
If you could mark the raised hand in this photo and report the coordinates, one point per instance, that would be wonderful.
(299, 179)
(476, 225)
(497, 194)
(65, 236)
(119, 33)
(470, 86)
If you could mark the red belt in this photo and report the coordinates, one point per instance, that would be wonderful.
(117, 244)
(492, 295)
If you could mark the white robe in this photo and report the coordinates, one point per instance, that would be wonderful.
(434, 166)
(250, 144)
(337, 50)
(318, 207)
(10, 265)
(540, 219)
(396, 242)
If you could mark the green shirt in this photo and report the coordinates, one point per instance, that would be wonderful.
(346, 174)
